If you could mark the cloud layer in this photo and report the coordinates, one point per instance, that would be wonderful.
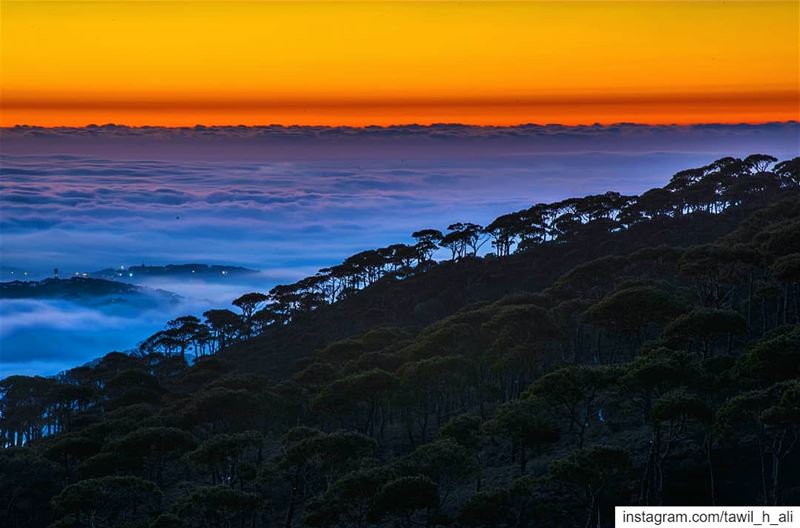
(308, 143)
(292, 200)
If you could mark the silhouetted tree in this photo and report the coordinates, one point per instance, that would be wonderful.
(592, 470)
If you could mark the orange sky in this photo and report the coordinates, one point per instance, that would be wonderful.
(218, 62)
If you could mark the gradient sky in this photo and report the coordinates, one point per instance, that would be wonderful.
(183, 63)
(290, 200)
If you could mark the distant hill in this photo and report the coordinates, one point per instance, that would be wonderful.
(81, 289)
(198, 271)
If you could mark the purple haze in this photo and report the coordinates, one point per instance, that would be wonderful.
(287, 201)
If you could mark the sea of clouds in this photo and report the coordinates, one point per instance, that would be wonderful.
(287, 201)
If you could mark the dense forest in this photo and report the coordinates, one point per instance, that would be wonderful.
(534, 372)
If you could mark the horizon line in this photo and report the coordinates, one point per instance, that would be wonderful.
(595, 124)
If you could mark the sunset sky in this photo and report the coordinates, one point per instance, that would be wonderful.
(329, 63)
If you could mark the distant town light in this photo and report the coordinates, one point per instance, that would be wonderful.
(130, 274)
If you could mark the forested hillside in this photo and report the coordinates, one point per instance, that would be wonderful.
(566, 358)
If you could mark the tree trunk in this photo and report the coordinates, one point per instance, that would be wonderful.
(763, 470)
(776, 465)
(590, 514)
(710, 470)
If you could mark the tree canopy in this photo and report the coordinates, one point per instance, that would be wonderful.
(566, 358)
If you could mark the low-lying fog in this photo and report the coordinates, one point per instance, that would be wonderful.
(285, 200)
(45, 336)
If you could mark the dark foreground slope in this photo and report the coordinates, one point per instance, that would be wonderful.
(655, 364)
(421, 300)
